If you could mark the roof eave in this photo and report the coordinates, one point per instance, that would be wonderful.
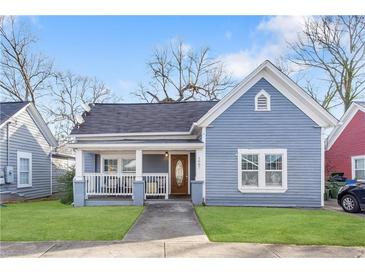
(146, 146)
(132, 134)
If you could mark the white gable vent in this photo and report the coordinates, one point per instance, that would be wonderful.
(262, 101)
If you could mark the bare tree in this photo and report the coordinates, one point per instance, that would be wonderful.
(69, 92)
(23, 74)
(333, 47)
(325, 96)
(179, 74)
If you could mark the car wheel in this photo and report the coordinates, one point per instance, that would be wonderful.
(350, 204)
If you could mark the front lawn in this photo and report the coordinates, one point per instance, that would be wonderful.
(51, 220)
(281, 226)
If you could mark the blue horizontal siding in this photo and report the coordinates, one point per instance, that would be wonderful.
(285, 126)
(25, 136)
(90, 162)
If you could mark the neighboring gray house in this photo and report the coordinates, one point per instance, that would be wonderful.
(26, 144)
(261, 145)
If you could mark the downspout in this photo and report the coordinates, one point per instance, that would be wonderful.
(51, 171)
(7, 144)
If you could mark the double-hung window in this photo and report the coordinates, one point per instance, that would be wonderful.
(262, 170)
(358, 167)
(110, 165)
(24, 169)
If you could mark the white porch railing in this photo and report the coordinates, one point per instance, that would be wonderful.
(109, 184)
(156, 184)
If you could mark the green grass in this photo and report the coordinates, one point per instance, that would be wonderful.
(281, 226)
(51, 220)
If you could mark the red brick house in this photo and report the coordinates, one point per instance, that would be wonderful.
(345, 150)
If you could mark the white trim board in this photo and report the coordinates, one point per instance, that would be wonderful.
(281, 82)
(344, 121)
(322, 166)
(159, 146)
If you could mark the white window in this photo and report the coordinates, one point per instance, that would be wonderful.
(110, 165)
(128, 165)
(262, 101)
(358, 167)
(262, 170)
(113, 164)
(24, 169)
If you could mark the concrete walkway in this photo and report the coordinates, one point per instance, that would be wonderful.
(170, 249)
(168, 221)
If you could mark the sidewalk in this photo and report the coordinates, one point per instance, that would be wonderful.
(172, 249)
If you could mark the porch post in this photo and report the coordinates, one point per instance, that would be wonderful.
(79, 163)
(78, 181)
(138, 185)
(139, 162)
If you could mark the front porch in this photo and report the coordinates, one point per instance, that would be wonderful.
(120, 186)
(126, 177)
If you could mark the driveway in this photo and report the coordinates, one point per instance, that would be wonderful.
(332, 205)
(168, 221)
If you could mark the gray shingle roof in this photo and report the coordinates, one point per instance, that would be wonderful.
(142, 118)
(8, 109)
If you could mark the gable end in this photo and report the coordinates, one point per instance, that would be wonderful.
(282, 83)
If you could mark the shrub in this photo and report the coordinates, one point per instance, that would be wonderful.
(67, 181)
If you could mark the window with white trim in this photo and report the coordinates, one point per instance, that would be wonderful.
(358, 167)
(110, 165)
(262, 170)
(24, 169)
(128, 165)
(262, 101)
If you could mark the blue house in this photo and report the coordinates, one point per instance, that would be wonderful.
(261, 145)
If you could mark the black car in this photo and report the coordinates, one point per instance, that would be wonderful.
(352, 197)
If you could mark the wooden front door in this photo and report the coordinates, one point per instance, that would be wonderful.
(179, 174)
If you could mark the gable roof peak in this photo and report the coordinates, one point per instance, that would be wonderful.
(284, 84)
(344, 121)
